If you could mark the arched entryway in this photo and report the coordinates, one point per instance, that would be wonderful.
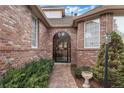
(62, 47)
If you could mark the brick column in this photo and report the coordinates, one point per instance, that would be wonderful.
(105, 25)
(80, 36)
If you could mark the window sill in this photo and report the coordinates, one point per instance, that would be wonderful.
(34, 47)
(88, 49)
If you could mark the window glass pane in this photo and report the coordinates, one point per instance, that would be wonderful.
(118, 25)
(34, 32)
(92, 34)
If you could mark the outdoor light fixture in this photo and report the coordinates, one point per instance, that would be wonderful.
(107, 38)
(107, 41)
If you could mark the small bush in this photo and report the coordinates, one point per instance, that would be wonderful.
(34, 74)
(79, 70)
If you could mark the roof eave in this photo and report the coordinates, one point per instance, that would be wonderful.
(39, 13)
(94, 15)
(100, 11)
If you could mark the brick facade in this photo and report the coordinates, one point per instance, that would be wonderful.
(88, 56)
(15, 38)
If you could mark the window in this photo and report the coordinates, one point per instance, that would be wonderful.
(53, 14)
(118, 25)
(34, 32)
(92, 34)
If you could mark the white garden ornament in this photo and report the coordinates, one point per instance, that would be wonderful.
(87, 76)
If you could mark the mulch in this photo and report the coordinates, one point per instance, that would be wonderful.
(80, 81)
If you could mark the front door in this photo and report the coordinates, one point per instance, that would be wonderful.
(62, 48)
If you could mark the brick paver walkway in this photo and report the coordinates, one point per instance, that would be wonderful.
(61, 77)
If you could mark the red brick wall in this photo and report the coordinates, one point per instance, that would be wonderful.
(105, 24)
(87, 57)
(15, 36)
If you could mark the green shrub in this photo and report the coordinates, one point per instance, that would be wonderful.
(115, 60)
(79, 70)
(33, 74)
(119, 74)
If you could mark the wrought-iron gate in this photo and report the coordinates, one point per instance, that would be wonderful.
(62, 47)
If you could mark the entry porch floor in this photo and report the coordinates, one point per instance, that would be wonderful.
(61, 76)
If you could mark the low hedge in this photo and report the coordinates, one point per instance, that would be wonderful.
(32, 75)
(79, 70)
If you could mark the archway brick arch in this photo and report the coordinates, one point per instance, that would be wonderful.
(73, 35)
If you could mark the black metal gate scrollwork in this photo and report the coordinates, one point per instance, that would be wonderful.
(62, 47)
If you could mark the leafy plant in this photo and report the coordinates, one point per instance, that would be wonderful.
(34, 74)
(79, 70)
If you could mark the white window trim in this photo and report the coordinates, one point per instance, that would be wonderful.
(85, 32)
(117, 16)
(113, 20)
(36, 33)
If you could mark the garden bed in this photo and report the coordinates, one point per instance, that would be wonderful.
(33, 75)
(80, 81)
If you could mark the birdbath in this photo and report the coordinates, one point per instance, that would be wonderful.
(87, 75)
